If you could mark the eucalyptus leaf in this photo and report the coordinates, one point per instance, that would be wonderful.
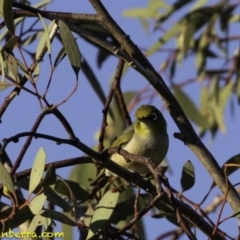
(12, 66)
(7, 14)
(11, 43)
(4, 85)
(103, 212)
(196, 18)
(235, 160)
(37, 170)
(3, 63)
(71, 46)
(50, 176)
(79, 192)
(219, 104)
(186, 37)
(83, 174)
(189, 107)
(23, 68)
(20, 216)
(151, 11)
(68, 230)
(58, 216)
(37, 203)
(188, 176)
(88, 215)
(60, 56)
(42, 4)
(71, 196)
(36, 72)
(38, 220)
(45, 39)
(6, 179)
(171, 9)
(56, 199)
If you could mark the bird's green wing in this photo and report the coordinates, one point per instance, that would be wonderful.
(126, 136)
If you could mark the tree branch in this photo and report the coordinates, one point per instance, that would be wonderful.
(153, 77)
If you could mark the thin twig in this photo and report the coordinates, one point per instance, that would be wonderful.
(178, 213)
(119, 94)
(28, 142)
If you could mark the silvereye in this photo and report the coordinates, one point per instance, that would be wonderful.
(147, 137)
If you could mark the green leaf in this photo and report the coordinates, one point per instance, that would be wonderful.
(102, 56)
(80, 174)
(5, 32)
(45, 39)
(38, 220)
(233, 160)
(238, 88)
(68, 230)
(37, 170)
(198, 4)
(188, 176)
(4, 85)
(71, 46)
(165, 38)
(186, 37)
(201, 54)
(235, 18)
(52, 196)
(11, 43)
(103, 212)
(79, 192)
(3, 63)
(7, 14)
(37, 203)
(235, 214)
(47, 31)
(124, 210)
(60, 217)
(196, 18)
(20, 216)
(219, 104)
(6, 179)
(88, 215)
(30, 39)
(189, 107)
(164, 210)
(36, 72)
(23, 68)
(50, 176)
(60, 56)
(71, 196)
(151, 11)
(172, 9)
(41, 46)
(42, 4)
(231, 169)
(206, 109)
(55, 198)
(12, 66)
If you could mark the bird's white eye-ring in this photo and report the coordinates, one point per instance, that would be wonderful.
(154, 116)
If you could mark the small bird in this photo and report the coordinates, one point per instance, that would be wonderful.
(147, 137)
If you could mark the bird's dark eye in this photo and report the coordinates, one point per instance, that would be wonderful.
(154, 116)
